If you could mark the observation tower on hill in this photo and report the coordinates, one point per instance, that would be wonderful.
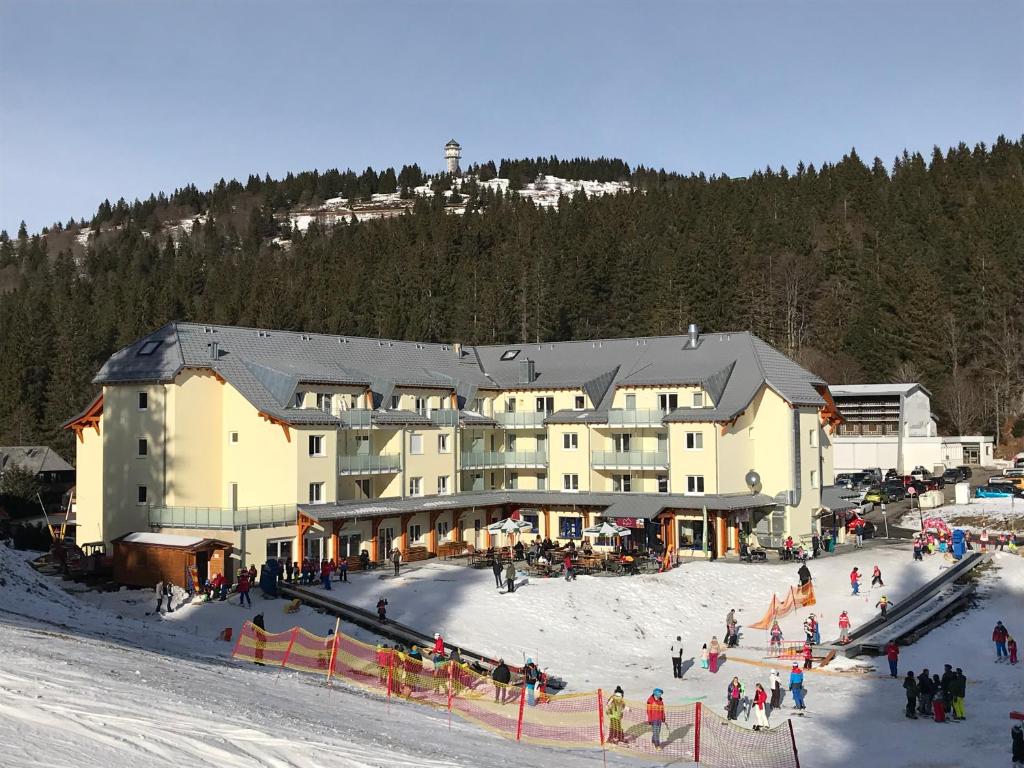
(452, 155)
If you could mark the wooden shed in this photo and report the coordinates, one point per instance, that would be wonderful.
(143, 559)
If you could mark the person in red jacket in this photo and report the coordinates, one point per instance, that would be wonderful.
(999, 635)
(570, 574)
(243, 589)
(760, 714)
(892, 653)
(855, 581)
(325, 574)
(844, 628)
(876, 577)
(1011, 646)
(656, 716)
(808, 655)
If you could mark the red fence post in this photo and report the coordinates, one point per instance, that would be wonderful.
(696, 734)
(522, 704)
(792, 738)
(287, 653)
(600, 714)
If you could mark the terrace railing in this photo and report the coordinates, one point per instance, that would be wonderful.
(221, 518)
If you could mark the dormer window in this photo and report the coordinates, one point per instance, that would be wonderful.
(698, 399)
(149, 348)
(300, 398)
(509, 354)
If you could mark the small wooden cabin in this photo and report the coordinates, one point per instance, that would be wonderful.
(143, 559)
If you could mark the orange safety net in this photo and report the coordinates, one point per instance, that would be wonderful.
(770, 615)
(688, 732)
(797, 597)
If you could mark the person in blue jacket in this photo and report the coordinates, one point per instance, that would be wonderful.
(796, 686)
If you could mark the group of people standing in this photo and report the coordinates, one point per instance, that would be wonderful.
(936, 697)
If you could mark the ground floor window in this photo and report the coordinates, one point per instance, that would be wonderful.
(770, 526)
(534, 521)
(695, 483)
(348, 546)
(442, 531)
(570, 527)
(691, 534)
(314, 548)
(280, 549)
(415, 534)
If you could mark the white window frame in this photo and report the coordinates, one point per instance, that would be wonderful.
(415, 533)
(695, 485)
(396, 402)
(316, 493)
(142, 401)
(624, 483)
(579, 403)
(415, 486)
(443, 443)
(510, 405)
(300, 399)
(510, 442)
(542, 481)
(695, 441)
(570, 482)
(814, 478)
(570, 441)
(513, 479)
(668, 401)
(415, 439)
(814, 437)
(232, 438)
(444, 530)
(443, 486)
(422, 406)
(317, 446)
(698, 399)
(142, 495)
(325, 399)
(630, 402)
(622, 442)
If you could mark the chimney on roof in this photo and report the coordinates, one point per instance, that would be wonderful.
(214, 350)
(527, 371)
(457, 347)
(694, 333)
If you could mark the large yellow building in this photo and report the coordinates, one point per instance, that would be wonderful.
(289, 444)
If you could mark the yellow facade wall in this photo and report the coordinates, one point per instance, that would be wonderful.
(89, 501)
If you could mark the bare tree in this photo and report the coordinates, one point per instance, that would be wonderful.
(961, 402)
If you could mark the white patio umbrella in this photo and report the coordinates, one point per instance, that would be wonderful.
(607, 530)
(510, 527)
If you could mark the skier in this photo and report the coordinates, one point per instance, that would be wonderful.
(496, 569)
(947, 687)
(615, 709)
(382, 610)
(884, 605)
(1011, 646)
(531, 675)
(855, 581)
(677, 657)
(243, 589)
(713, 651)
(396, 559)
(501, 676)
(808, 655)
(775, 643)
(510, 576)
(796, 686)
(844, 628)
(570, 573)
(656, 716)
(910, 686)
(777, 693)
(924, 693)
(918, 550)
(1017, 744)
(999, 635)
(325, 574)
(704, 656)
(892, 653)
(804, 573)
(938, 705)
(876, 577)
(959, 692)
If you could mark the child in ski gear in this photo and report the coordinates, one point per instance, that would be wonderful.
(615, 709)
(918, 550)
(884, 605)
(704, 656)
(325, 574)
(999, 635)
(892, 653)
(796, 686)
(938, 705)
(910, 686)
(382, 610)
(713, 651)
(1011, 646)
(243, 589)
(809, 628)
(656, 716)
(775, 643)
(876, 577)
(343, 570)
(855, 581)
(808, 656)
(844, 628)
(159, 589)
(676, 649)
(530, 675)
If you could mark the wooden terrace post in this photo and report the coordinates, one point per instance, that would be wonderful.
(335, 545)
(432, 534)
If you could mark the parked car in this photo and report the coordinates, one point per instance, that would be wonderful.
(892, 474)
(875, 473)
(878, 494)
(952, 475)
(920, 473)
(895, 490)
(998, 491)
(1015, 482)
(965, 471)
(919, 486)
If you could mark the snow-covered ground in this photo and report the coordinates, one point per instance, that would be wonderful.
(594, 632)
(996, 515)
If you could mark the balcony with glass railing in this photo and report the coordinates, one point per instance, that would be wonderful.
(221, 518)
(369, 464)
(629, 459)
(647, 417)
(522, 419)
(356, 418)
(504, 459)
(444, 418)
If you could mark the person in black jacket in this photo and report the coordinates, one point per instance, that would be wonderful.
(804, 573)
(502, 676)
(925, 692)
(947, 688)
(1017, 744)
(257, 621)
(496, 567)
(910, 686)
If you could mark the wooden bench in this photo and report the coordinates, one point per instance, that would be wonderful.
(414, 554)
(449, 549)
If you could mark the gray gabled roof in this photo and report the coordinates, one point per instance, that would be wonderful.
(267, 367)
(34, 458)
(639, 505)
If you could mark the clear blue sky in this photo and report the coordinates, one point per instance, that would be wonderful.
(110, 99)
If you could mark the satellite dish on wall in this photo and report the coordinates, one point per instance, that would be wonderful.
(753, 481)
